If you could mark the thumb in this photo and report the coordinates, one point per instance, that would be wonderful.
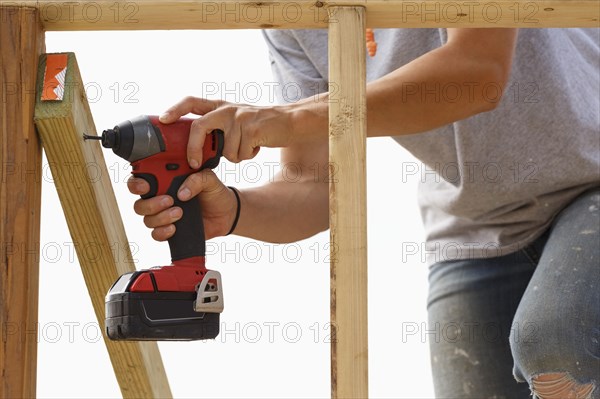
(203, 181)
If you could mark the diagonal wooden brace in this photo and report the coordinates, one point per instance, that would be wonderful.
(93, 218)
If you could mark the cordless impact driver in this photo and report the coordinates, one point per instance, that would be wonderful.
(181, 301)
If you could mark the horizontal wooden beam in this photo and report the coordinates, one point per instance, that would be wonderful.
(303, 14)
(94, 221)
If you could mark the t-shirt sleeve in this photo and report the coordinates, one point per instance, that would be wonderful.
(295, 74)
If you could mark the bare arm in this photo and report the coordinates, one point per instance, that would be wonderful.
(284, 211)
(450, 83)
(287, 209)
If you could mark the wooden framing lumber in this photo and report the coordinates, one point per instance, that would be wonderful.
(89, 203)
(302, 14)
(348, 203)
(21, 41)
(94, 221)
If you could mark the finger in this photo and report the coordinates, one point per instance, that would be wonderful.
(202, 127)
(195, 105)
(152, 206)
(196, 142)
(247, 152)
(163, 233)
(203, 181)
(164, 218)
(137, 185)
(248, 148)
(233, 138)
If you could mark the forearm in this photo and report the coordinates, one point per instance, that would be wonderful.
(450, 83)
(441, 87)
(283, 211)
(411, 99)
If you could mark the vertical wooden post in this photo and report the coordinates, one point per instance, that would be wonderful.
(347, 202)
(21, 42)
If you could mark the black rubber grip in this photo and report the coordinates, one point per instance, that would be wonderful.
(188, 239)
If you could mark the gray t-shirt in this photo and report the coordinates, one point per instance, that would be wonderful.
(491, 183)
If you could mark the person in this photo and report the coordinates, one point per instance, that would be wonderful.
(506, 124)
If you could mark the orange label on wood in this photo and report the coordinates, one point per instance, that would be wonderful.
(54, 77)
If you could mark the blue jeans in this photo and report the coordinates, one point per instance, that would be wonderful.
(505, 321)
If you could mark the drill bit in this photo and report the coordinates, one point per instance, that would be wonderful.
(88, 137)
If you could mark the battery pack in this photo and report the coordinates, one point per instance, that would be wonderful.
(155, 316)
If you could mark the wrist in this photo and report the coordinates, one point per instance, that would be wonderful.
(238, 208)
(308, 119)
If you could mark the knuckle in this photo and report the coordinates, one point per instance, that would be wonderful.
(195, 180)
(230, 154)
(189, 99)
(244, 152)
(251, 131)
(228, 107)
(156, 235)
(197, 123)
(241, 115)
(168, 231)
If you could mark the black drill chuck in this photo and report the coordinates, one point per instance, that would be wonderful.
(112, 138)
(109, 138)
(133, 139)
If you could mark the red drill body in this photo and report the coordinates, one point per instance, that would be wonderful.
(167, 165)
(181, 301)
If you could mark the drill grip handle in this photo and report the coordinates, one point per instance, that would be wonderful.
(188, 240)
